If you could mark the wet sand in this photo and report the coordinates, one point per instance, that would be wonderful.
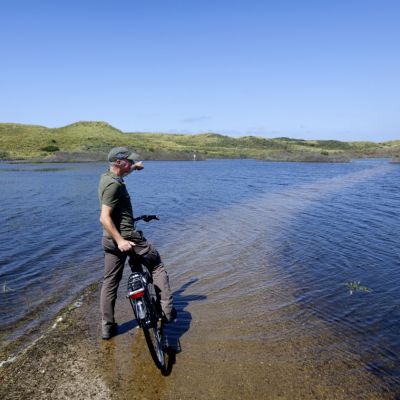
(223, 356)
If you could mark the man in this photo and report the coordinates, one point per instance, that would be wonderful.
(120, 239)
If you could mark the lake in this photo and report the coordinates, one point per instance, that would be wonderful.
(315, 246)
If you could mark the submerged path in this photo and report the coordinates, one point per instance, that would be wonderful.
(223, 357)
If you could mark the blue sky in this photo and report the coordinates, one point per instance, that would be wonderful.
(303, 69)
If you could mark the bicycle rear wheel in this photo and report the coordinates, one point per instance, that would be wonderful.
(154, 342)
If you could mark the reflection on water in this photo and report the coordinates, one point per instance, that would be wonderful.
(260, 254)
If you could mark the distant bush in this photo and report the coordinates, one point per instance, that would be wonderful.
(50, 148)
(3, 155)
(324, 153)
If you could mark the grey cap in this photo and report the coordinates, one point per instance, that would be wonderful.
(122, 153)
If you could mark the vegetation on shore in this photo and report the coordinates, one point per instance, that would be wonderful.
(91, 141)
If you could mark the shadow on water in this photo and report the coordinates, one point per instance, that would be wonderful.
(126, 327)
(175, 330)
(181, 324)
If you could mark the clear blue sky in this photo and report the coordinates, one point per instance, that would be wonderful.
(303, 69)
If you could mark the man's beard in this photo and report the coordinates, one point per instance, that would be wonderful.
(127, 173)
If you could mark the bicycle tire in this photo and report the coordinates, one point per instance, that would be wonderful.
(149, 324)
(152, 334)
(154, 343)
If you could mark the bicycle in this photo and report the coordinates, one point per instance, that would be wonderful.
(146, 306)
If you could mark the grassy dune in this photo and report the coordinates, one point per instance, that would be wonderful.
(90, 141)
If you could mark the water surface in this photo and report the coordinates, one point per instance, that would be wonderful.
(246, 243)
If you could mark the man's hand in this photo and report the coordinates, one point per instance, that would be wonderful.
(138, 165)
(125, 245)
(107, 222)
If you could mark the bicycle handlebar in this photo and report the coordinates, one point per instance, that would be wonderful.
(146, 218)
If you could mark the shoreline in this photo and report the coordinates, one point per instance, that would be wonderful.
(55, 359)
(13, 349)
(392, 160)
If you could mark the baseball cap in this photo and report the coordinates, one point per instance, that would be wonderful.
(122, 153)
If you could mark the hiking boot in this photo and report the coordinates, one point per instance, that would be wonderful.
(108, 331)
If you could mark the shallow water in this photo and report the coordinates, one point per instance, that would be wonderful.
(247, 244)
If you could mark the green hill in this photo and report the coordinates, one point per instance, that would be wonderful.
(90, 141)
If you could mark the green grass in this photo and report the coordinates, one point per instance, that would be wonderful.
(94, 139)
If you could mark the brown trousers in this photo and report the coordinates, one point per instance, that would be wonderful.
(114, 262)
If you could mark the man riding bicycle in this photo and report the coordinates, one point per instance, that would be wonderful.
(120, 239)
